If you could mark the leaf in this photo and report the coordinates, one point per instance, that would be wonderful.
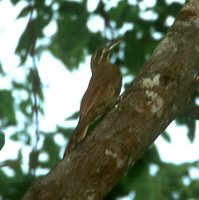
(14, 164)
(191, 125)
(71, 7)
(66, 132)
(95, 41)
(24, 12)
(121, 12)
(73, 116)
(71, 39)
(32, 32)
(2, 139)
(24, 105)
(1, 69)
(19, 86)
(15, 1)
(174, 8)
(192, 130)
(26, 41)
(52, 149)
(166, 136)
(7, 112)
(21, 136)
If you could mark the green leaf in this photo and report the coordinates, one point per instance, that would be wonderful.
(192, 130)
(32, 32)
(73, 116)
(191, 125)
(51, 147)
(14, 164)
(2, 139)
(71, 8)
(95, 41)
(1, 69)
(26, 41)
(14, 1)
(25, 107)
(166, 136)
(174, 8)
(7, 112)
(67, 132)
(71, 39)
(24, 12)
(21, 136)
(121, 12)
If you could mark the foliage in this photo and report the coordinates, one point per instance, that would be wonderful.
(2, 139)
(72, 41)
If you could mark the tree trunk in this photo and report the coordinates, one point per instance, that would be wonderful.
(162, 90)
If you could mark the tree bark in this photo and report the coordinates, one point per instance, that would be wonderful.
(162, 90)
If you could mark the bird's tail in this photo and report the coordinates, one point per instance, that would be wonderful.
(78, 135)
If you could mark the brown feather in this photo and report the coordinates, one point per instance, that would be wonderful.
(102, 92)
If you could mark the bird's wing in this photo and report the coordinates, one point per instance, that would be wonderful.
(100, 92)
(94, 96)
(90, 100)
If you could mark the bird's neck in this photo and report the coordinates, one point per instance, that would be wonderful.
(103, 66)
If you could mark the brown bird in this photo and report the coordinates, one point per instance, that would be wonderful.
(102, 92)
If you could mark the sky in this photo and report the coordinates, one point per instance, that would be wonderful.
(58, 81)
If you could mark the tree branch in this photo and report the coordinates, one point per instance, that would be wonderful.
(162, 90)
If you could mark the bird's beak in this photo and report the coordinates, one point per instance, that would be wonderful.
(114, 44)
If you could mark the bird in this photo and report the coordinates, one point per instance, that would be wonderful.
(102, 92)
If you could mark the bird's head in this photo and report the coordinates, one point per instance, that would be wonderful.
(102, 55)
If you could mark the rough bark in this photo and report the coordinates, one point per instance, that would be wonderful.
(162, 90)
